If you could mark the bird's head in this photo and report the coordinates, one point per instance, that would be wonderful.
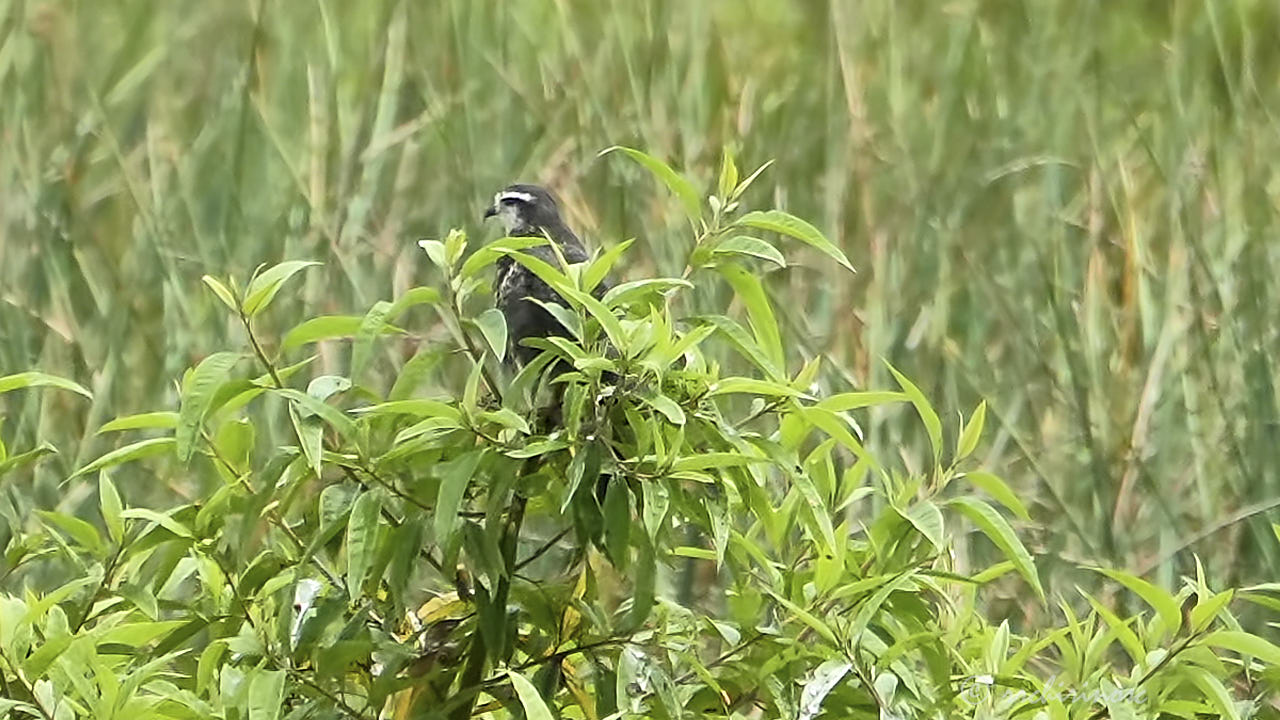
(526, 210)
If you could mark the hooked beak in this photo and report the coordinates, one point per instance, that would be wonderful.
(490, 211)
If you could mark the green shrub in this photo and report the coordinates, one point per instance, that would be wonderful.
(681, 540)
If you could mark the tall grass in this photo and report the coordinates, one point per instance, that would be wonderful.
(1066, 207)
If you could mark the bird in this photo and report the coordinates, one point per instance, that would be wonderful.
(527, 210)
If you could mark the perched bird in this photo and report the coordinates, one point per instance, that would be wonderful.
(532, 211)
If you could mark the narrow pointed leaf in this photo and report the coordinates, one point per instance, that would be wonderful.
(493, 325)
(135, 451)
(677, 184)
(197, 396)
(370, 328)
(997, 529)
(165, 420)
(535, 708)
(453, 489)
(362, 538)
(746, 246)
(264, 287)
(1158, 598)
(787, 224)
(39, 379)
(927, 414)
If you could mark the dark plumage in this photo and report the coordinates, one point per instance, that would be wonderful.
(531, 211)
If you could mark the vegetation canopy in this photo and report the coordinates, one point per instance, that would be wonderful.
(529, 544)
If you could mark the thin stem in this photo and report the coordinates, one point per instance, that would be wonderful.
(331, 697)
(257, 350)
(542, 550)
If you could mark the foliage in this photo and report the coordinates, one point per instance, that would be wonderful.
(525, 546)
(1065, 207)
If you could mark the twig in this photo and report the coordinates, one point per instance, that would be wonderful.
(543, 550)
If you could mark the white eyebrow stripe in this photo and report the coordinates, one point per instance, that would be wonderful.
(513, 195)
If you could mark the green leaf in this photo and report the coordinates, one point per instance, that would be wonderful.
(530, 700)
(412, 297)
(1245, 644)
(742, 186)
(1214, 691)
(210, 661)
(85, 535)
(306, 404)
(328, 327)
(735, 385)
(696, 553)
(39, 379)
(567, 317)
(1127, 637)
(310, 434)
(221, 292)
(666, 406)
(834, 426)
(418, 407)
(507, 418)
(370, 328)
(744, 344)
(677, 184)
(197, 396)
(808, 618)
(996, 488)
(362, 538)
(454, 245)
(163, 420)
(927, 518)
(630, 292)
(1162, 600)
(435, 251)
(707, 461)
(163, 521)
(844, 402)
(995, 527)
(759, 312)
(111, 506)
(29, 457)
(453, 488)
(870, 607)
(138, 634)
(930, 418)
(746, 246)
(790, 225)
(266, 694)
(1206, 611)
(493, 325)
(264, 287)
(617, 521)
(40, 660)
(817, 511)
(471, 391)
(324, 387)
(972, 432)
(644, 573)
(562, 285)
(128, 453)
(600, 267)
(728, 175)
(415, 372)
(8, 706)
(657, 499)
(489, 254)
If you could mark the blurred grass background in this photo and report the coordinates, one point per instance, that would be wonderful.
(1066, 207)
